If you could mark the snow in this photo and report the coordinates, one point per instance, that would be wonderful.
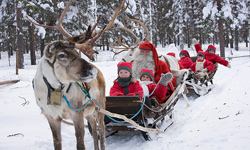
(217, 120)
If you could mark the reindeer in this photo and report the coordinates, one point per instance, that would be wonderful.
(58, 82)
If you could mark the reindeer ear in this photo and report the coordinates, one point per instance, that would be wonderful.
(49, 50)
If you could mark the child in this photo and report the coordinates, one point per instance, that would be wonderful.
(202, 66)
(173, 54)
(210, 54)
(160, 93)
(125, 85)
(185, 59)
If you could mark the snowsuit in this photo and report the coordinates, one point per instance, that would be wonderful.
(204, 64)
(186, 62)
(159, 93)
(134, 88)
(213, 58)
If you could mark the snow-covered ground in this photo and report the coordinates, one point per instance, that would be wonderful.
(218, 120)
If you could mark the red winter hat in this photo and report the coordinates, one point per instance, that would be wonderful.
(125, 65)
(185, 53)
(171, 54)
(201, 53)
(211, 47)
(148, 72)
(149, 46)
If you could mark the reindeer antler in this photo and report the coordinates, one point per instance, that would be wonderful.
(82, 41)
(138, 41)
(124, 47)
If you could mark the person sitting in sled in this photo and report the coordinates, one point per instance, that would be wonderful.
(173, 54)
(147, 82)
(146, 57)
(185, 59)
(202, 66)
(125, 84)
(210, 54)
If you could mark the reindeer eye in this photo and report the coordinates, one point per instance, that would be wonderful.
(62, 56)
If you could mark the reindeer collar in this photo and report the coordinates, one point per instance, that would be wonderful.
(51, 92)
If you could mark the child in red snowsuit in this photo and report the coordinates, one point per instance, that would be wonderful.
(202, 65)
(125, 85)
(146, 80)
(210, 54)
(185, 59)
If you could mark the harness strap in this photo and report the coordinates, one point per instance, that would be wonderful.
(49, 87)
(85, 88)
(51, 64)
(166, 61)
(68, 87)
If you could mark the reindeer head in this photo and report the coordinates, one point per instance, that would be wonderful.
(67, 64)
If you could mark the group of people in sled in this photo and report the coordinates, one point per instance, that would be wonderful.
(205, 62)
(153, 77)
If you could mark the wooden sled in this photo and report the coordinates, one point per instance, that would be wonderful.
(133, 108)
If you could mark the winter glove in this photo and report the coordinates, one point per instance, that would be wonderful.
(204, 70)
(165, 78)
(195, 41)
(228, 66)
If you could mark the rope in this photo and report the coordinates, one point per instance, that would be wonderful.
(77, 109)
(90, 99)
(87, 94)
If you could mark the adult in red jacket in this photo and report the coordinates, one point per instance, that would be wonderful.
(147, 58)
(185, 59)
(201, 64)
(210, 54)
(125, 85)
(157, 93)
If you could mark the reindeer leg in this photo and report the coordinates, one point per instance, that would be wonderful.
(92, 120)
(55, 126)
(79, 130)
(101, 130)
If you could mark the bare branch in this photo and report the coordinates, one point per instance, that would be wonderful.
(59, 26)
(86, 41)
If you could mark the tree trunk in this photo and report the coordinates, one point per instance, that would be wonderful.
(103, 44)
(221, 31)
(150, 22)
(246, 33)
(32, 45)
(20, 38)
(232, 38)
(42, 45)
(188, 36)
(236, 38)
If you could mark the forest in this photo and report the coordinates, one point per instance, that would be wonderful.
(223, 22)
